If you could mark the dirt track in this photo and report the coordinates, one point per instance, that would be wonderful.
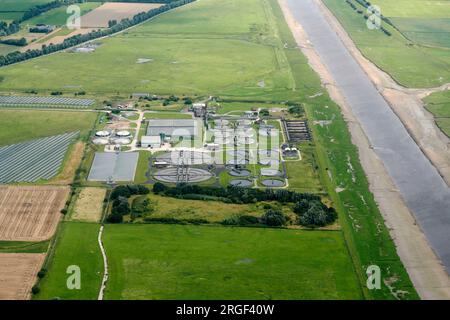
(18, 273)
(425, 270)
(30, 213)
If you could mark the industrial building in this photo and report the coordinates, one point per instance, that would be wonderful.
(151, 141)
(174, 129)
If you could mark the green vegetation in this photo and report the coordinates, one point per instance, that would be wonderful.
(142, 167)
(76, 245)
(185, 57)
(211, 211)
(403, 55)
(59, 15)
(439, 105)
(23, 247)
(199, 49)
(193, 262)
(22, 125)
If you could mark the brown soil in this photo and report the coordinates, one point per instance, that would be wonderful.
(30, 213)
(89, 205)
(99, 17)
(18, 273)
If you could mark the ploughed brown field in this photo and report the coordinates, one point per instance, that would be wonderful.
(18, 273)
(99, 17)
(30, 213)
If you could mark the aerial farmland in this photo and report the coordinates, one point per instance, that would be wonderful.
(217, 150)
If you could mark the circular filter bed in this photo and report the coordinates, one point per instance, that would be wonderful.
(273, 183)
(241, 183)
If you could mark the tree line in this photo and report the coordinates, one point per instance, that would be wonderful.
(17, 56)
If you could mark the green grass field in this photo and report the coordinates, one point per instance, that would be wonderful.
(439, 105)
(59, 15)
(192, 262)
(227, 57)
(13, 9)
(409, 63)
(22, 125)
(77, 245)
(23, 247)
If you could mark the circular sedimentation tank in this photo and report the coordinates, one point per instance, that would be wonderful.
(102, 134)
(100, 141)
(241, 183)
(122, 141)
(269, 162)
(270, 172)
(123, 133)
(273, 183)
(239, 172)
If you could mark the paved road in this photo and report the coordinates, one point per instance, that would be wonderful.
(423, 189)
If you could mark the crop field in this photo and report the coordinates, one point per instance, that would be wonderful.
(89, 205)
(30, 213)
(409, 62)
(99, 17)
(191, 262)
(59, 15)
(23, 125)
(18, 273)
(34, 160)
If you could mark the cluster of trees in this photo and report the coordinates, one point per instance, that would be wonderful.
(272, 218)
(15, 57)
(232, 194)
(314, 213)
(120, 205)
(15, 42)
(7, 29)
(296, 110)
(170, 100)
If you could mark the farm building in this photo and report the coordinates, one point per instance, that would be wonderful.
(151, 141)
(174, 128)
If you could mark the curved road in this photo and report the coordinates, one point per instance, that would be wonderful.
(423, 189)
